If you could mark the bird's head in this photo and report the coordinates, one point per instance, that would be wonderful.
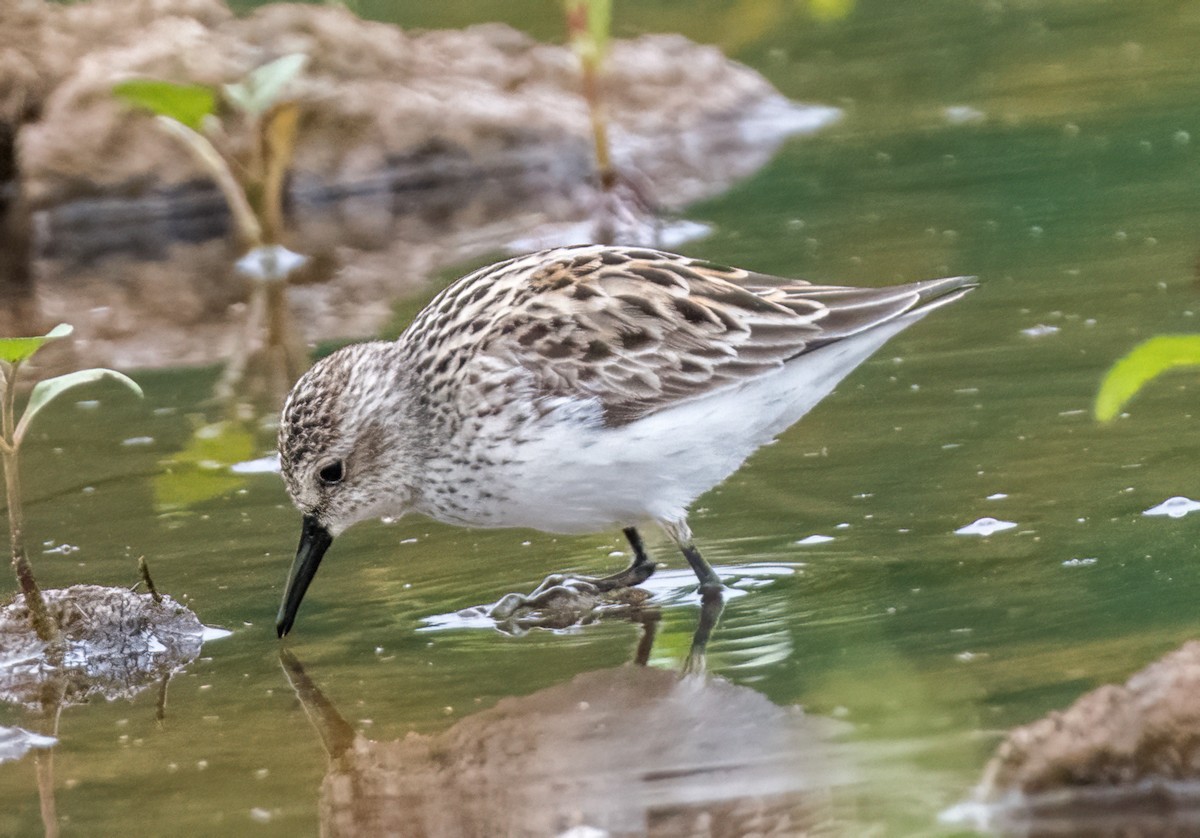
(342, 451)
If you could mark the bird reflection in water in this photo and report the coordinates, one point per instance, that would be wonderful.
(629, 751)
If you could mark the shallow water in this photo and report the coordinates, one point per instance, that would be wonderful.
(1065, 175)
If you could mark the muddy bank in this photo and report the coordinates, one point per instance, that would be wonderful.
(415, 150)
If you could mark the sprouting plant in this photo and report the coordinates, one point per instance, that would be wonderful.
(13, 431)
(589, 23)
(202, 120)
(1146, 361)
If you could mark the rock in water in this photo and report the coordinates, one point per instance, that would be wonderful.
(1120, 760)
(117, 643)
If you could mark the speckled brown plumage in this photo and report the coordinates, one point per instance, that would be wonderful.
(579, 388)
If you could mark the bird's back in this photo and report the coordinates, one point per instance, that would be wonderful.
(593, 382)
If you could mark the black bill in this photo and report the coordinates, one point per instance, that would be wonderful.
(314, 541)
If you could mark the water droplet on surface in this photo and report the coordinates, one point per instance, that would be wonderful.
(985, 526)
(962, 114)
(263, 465)
(1175, 507)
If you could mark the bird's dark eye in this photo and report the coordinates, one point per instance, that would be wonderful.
(332, 472)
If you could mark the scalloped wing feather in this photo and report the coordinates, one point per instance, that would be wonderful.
(641, 330)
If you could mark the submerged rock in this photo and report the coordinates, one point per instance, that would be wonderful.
(415, 149)
(1122, 760)
(117, 643)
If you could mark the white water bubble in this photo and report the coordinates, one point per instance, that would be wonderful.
(985, 526)
(15, 742)
(1088, 562)
(997, 496)
(1175, 507)
(815, 539)
(963, 114)
(269, 263)
(263, 465)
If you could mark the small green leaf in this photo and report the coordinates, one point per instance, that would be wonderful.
(263, 87)
(1147, 361)
(46, 391)
(13, 350)
(185, 103)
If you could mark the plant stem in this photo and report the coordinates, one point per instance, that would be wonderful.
(45, 625)
(593, 94)
(249, 230)
(44, 762)
(145, 571)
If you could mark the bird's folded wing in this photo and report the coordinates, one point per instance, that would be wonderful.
(640, 331)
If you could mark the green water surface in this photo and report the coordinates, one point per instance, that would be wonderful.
(1071, 188)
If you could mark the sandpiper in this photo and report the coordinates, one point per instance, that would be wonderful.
(572, 390)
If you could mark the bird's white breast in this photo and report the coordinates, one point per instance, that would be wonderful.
(568, 472)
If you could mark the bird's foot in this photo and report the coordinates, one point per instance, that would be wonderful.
(561, 601)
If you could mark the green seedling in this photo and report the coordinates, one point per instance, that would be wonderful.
(1145, 362)
(13, 432)
(202, 119)
(589, 25)
(191, 114)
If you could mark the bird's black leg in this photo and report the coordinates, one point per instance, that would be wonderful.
(559, 587)
(639, 570)
(712, 603)
(681, 534)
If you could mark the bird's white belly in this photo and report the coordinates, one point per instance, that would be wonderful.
(571, 474)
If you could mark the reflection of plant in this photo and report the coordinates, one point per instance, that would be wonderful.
(14, 352)
(1146, 361)
(200, 471)
(252, 184)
